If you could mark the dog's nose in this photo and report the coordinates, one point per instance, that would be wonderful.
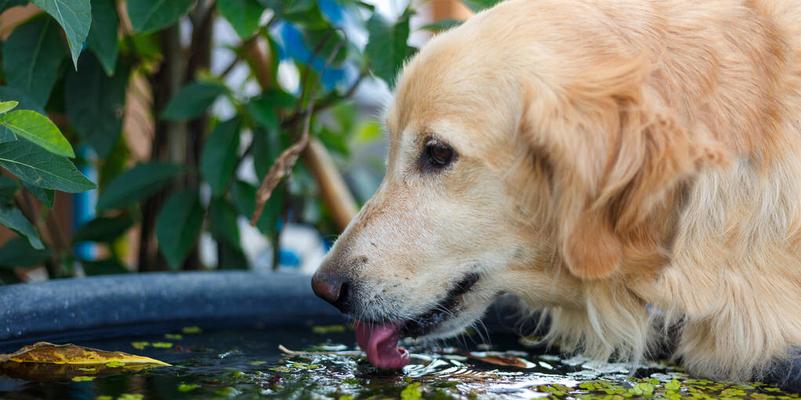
(333, 288)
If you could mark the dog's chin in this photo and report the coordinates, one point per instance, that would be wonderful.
(462, 306)
(456, 324)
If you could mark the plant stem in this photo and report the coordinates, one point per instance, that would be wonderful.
(165, 83)
(196, 129)
(54, 235)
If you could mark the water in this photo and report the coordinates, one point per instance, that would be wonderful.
(247, 364)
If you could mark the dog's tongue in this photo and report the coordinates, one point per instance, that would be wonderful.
(380, 342)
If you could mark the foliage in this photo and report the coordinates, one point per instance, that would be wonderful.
(72, 75)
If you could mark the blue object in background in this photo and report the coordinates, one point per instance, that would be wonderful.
(288, 259)
(83, 205)
(333, 12)
(292, 45)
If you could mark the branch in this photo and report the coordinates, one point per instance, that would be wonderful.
(281, 168)
(321, 105)
(55, 237)
(230, 67)
(326, 102)
(284, 163)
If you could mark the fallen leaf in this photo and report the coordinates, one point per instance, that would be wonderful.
(47, 361)
(500, 359)
(293, 353)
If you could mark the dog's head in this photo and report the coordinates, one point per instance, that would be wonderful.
(513, 166)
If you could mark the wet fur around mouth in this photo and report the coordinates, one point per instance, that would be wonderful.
(442, 311)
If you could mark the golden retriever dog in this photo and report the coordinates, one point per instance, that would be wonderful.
(624, 166)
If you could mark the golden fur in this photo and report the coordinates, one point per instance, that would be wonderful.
(613, 156)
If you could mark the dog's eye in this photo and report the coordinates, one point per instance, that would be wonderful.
(437, 155)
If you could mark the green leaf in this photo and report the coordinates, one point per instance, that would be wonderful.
(38, 167)
(178, 227)
(39, 130)
(74, 16)
(264, 108)
(267, 147)
(13, 219)
(244, 195)
(223, 222)
(333, 140)
(302, 12)
(32, 57)
(138, 183)
(192, 100)
(478, 5)
(147, 46)
(6, 135)
(369, 131)
(442, 25)
(6, 106)
(95, 103)
(263, 114)
(102, 39)
(243, 15)
(26, 102)
(386, 48)
(8, 189)
(278, 99)
(231, 257)
(46, 196)
(104, 267)
(17, 252)
(220, 155)
(328, 42)
(152, 15)
(103, 229)
(114, 163)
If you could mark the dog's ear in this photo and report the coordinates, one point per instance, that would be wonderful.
(618, 158)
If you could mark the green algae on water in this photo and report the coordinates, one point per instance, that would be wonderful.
(246, 364)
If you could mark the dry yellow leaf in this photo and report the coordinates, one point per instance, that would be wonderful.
(48, 361)
(49, 353)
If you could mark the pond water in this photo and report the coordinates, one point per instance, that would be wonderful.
(319, 362)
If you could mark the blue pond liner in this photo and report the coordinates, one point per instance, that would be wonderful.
(138, 303)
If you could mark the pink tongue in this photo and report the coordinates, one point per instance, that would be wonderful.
(380, 342)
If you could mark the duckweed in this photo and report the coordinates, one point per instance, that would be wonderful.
(140, 345)
(248, 365)
(187, 387)
(412, 392)
(328, 329)
(191, 330)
